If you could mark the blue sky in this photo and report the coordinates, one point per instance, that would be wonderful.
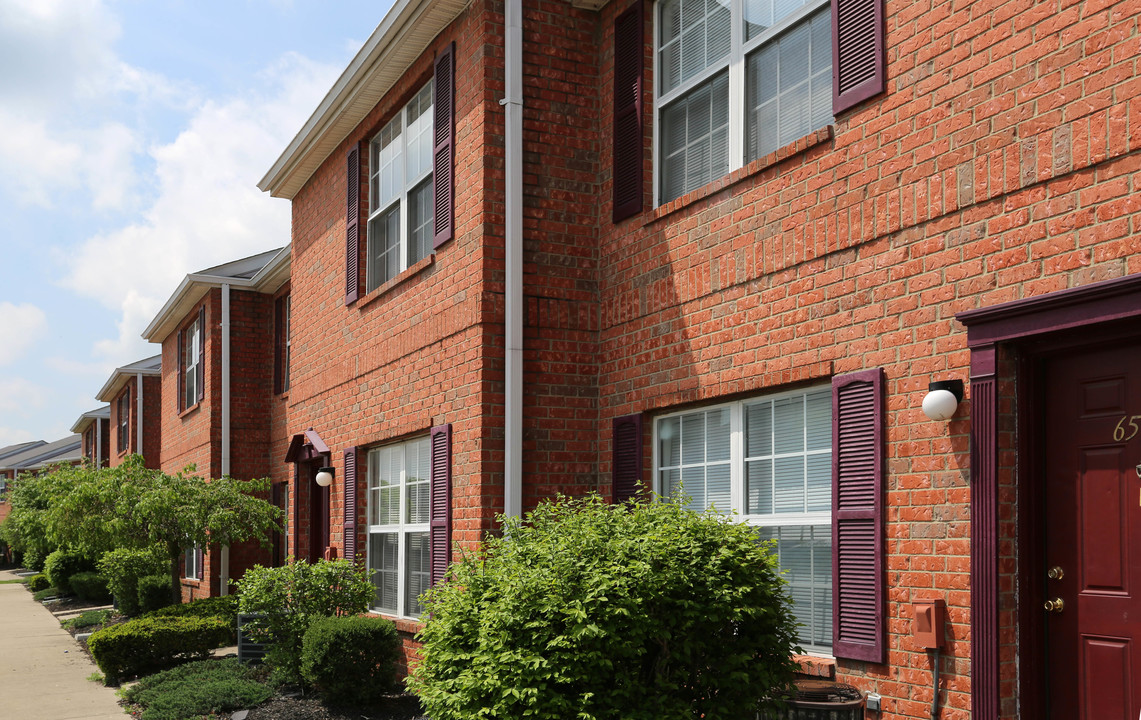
(132, 136)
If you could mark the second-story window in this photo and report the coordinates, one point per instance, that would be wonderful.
(190, 362)
(124, 410)
(737, 80)
(400, 191)
(281, 343)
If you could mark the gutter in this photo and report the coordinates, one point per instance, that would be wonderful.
(513, 231)
(139, 412)
(224, 581)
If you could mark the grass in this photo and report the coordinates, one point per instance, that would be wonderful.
(196, 689)
(90, 618)
(41, 595)
(12, 582)
(95, 677)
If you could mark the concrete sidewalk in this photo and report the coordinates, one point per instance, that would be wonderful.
(43, 673)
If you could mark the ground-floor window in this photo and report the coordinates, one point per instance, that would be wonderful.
(398, 518)
(769, 461)
(192, 561)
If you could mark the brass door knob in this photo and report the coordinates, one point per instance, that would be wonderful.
(1056, 605)
(1055, 573)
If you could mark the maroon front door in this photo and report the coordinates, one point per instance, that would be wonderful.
(318, 513)
(1092, 602)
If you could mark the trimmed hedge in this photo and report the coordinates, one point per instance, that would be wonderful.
(351, 659)
(154, 593)
(39, 582)
(124, 567)
(144, 645)
(225, 608)
(61, 565)
(90, 586)
(205, 687)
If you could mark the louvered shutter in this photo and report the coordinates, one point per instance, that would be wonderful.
(857, 516)
(352, 225)
(199, 560)
(201, 353)
(350, 483)
(626, 449)
(440, 438)
(859, 52)
(278, 343)
(180, 365)
(628, 63)
(443, 145)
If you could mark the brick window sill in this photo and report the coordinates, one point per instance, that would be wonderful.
(814, 666)
(190, 409)
(797, 147)
(192, 582)
(384, 288)
(404, 625)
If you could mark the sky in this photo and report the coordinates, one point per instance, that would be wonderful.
(132, 137)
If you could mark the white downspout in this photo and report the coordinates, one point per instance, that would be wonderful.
(139, 413)
(224, 581)
(513, 229)
(98, 443)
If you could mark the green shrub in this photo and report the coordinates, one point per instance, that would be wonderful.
(124, 567)
(61, 565)
(154, 593)
(90, 586)
(225, 608)
(351, 660)
(34, 559)
(41, 595)
(204, 687)
(39, 582)
(595, 611)
(144, 645)
(87, 619)
(291, 597)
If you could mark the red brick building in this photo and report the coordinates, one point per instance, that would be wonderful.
(724, 249)
(219, 409)
(94, 430)
(134, 394)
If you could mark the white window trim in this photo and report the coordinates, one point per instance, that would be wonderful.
(190, 569)
(402, 529)
(739, 50)
(401, 197)
(191, 347)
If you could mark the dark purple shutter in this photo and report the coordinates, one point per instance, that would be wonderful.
(180, 363)
(350, 529)
(859, 52)
(858, 628)
(278, 343)
(352, 225)
(440, 520)
(199, 560)
(628, 63)
(626, 449)
(443, 145)
(201, 353)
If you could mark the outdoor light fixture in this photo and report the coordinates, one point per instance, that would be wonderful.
(325, 476)
(943, 397)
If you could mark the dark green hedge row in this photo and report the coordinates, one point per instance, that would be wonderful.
(147, 644)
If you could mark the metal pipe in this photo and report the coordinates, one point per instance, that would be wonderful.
(513, 231)
(139, 413)
(224, 580)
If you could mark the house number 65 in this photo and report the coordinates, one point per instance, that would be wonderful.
(1127, 428)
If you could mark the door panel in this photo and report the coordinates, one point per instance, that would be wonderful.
(1092, 533)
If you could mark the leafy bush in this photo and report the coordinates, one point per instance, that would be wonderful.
(351, 659)
(596, 611)
(89, 618)
(34, 559)
(154, 593)
(291, 597)
(39, 582)
(124, 567)
(224, 608)
(90, 586)
(144, 645)
(204, 687)
(61, 565)
(48, 592)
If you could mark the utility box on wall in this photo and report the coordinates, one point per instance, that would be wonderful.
(928, 625)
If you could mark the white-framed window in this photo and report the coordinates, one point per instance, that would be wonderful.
(191, 354)
(737, 79)
(124, 410)
(398, 519)
(769, 461)
(401, 205)
(191, 559)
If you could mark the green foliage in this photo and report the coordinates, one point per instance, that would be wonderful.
(224, 608)
(291, 597)
(91, 587)
(154, 593)
(351, 660)
(87, 619)
(199, 688)
(34, 559)
(593, 611)
(27, 527)
(60, 565)
(144, 645)
(48, 592)
(39, 582)
(123, 568)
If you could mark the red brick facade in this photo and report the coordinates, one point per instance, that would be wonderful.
(121, 446)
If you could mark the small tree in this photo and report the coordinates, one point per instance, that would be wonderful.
(27, 528)
(594, 611)
(291, 597)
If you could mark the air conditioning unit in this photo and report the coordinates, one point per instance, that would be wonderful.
(823, 700)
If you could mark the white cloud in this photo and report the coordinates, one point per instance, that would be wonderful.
(20, 327)
(20, 397)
